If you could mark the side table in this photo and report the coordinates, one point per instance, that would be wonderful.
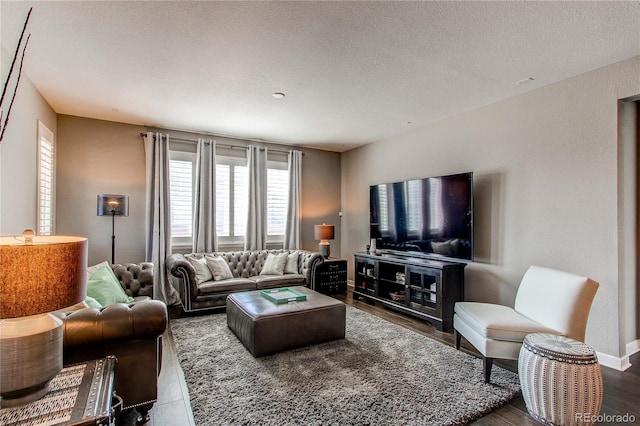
(80, 395)
(561, 380)
(331, 276)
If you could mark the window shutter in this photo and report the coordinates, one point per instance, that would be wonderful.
(181, 193)
(277, 200)
(223, 207)
(45, 180)
(240, 200)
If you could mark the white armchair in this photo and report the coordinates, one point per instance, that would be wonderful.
(548, 301)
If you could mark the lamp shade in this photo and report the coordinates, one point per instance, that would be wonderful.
(323, 232)
(44, 275)
(111, 204)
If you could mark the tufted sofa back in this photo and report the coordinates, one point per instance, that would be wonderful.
(244, 264)
(136, 279)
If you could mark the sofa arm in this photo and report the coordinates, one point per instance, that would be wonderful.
(179, 267)
(136, 279)
(119, 322)
(308, 262)
(130, 332)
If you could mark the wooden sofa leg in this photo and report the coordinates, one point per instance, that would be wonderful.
(487, 363)
(457, 337)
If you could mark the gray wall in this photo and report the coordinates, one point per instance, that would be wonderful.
(546, 187)
(98, 156)
(101, 157)
(18, 153)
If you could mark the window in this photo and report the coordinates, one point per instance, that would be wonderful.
(232, 193)
(46, 187)
(277, 199)
(181, 178)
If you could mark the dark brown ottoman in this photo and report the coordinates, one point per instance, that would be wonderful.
(266, 328)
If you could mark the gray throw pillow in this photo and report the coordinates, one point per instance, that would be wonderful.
(219, 268)
(291, 266)
(274, 265)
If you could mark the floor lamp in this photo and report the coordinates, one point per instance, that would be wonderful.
(113, 205)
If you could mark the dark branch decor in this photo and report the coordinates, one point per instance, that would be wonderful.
(4, 123)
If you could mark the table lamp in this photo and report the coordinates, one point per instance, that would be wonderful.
(113, 205)
(324, 233)
(38, 275)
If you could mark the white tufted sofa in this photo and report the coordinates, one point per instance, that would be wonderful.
(245, 267)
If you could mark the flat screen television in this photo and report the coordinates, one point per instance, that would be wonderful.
(430, 217)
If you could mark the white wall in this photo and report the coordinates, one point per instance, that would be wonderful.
(18, 153)
(546, 182)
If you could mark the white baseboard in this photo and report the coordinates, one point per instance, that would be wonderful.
(614, 362)
(633, 347)
(623, 363)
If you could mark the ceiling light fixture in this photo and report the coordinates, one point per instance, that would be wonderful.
(278, 95)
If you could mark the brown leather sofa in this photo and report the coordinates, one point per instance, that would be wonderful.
(136, 279)
(245, 267)
(131, 332)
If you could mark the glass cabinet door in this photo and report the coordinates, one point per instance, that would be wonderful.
(366, 275)
(424, 290)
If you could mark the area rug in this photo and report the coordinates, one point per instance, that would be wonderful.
(380, 374)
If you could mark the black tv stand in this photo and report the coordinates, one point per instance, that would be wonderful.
(421, 287)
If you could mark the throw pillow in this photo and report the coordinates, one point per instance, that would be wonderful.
(105, 287)
(90, 302)
(203, 273)
(219, 268)
(274, 265)
(292, 263)
(94, 268)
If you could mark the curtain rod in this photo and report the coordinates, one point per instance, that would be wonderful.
(142, 134)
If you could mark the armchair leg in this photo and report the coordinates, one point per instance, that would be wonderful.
(457, 337)
(487, 363)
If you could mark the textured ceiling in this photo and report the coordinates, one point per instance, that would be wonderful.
(352, 72)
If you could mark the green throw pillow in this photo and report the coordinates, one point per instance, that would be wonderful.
(105, 287)
(92, 303)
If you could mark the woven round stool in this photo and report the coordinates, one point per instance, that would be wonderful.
(561, 380)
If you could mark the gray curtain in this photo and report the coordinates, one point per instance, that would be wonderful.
(292, 238)
(158, 227)
(204, 197)
(256, 234)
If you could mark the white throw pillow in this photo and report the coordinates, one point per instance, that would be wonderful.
(203, 273)
(292, 263)
(274, 265)
(219, 268)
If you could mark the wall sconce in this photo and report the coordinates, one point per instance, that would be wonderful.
(38, 275)
(324, 233)
(113, 205)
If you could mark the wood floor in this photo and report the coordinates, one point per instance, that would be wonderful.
(621, 396)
